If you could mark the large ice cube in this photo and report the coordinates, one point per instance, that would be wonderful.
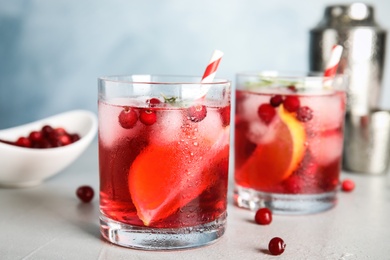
(326, 147)
(168, 127)
(247, 108)
(210, 127)
(109, 128)
(327, 111)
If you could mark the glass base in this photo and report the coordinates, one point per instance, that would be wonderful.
(161, 238)
(284, 204)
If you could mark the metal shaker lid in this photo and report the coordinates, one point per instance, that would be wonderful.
(348, 15)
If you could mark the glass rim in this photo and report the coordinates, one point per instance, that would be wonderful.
(287, 74)
(126, 78)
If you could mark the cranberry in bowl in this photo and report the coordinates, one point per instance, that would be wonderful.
(34, 152)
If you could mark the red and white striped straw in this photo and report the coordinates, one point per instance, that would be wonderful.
(211, 69)
(334, 61)
(332, 65)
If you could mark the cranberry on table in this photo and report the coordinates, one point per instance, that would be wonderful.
(85, 193)
(276, 246)
(263, 216)
(348, 185)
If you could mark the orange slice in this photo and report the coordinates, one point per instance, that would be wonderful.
(274, 161)
(165, 178)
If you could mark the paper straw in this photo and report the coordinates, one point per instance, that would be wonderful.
(333, 64)
(209, 73)
(211, 69)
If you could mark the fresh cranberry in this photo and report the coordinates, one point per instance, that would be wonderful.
(74, 137)
(293, 184)
(46, 130)
(304, 114)
(225, 115)
(291, 103)
(347, 185)
(197, 113)
(266, 113)
(153, 102)
(35, 136)
(147, 117)
(60, 131)
(263, 216)
(128, 118)
(275, 101)
(276, 246)
(292, 88)
(65, 139)
(85, 193)
(44, 144)
(23, 142)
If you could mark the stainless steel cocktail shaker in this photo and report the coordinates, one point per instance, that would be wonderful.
(367, 129)
(353, 26)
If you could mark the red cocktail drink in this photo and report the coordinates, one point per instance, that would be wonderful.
(163, 161)
(288, 143)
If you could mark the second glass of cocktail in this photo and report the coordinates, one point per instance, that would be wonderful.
(163, 160)
(288, 141)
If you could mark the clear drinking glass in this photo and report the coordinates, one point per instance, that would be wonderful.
(163, 160)
(288, 141)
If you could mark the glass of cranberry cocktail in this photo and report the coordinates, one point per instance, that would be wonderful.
(163, 160)
(288, 141)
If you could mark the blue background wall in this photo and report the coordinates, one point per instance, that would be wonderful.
(51, 52)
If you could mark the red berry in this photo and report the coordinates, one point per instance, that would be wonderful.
(128, 118)
(225, 115)
(60, 131)
(292, 88)
(263, 216)
(35, 136)
(266, 113)
(44, 144)
(304, 114)
(46, 130)
(291, 103)
(23, 142)
(147, 117)
(64, 140)
(153, 102)
(85, 193)
(197, 113)
(74, 137)
(347, 185)
(276, 246)
(275, 101)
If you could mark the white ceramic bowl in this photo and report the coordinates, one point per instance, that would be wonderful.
(23, 167)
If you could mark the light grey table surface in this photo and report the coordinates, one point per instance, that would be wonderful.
(49, 222)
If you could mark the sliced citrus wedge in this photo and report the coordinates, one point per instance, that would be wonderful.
(164, 178)
(275, 160)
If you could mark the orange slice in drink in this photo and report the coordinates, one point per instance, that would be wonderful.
(274, 161)
(164, 178)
